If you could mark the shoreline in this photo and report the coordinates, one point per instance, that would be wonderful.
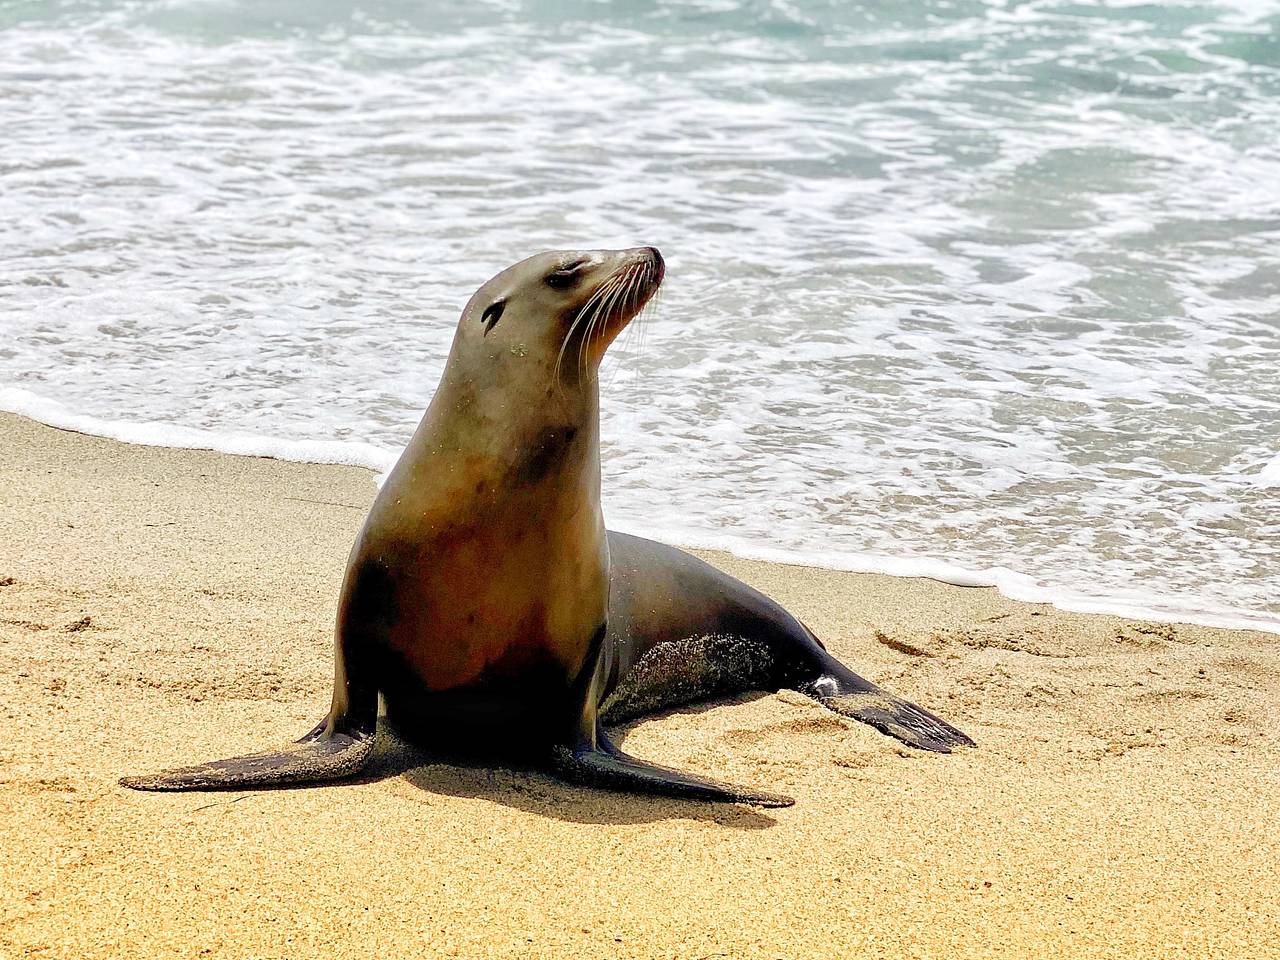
(1010, 583)
(161, 606)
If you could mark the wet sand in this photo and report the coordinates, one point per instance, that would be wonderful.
(159, 607)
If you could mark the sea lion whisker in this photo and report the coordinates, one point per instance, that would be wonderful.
(638, 279)
(628, 301)
(618, 302)
(638, 335)
(583, 312)
(633, 340)
(635, 286)
(602, 317)
(613, 307)
(601, 310)
(622, 305)
(555, 372)
(582, 343)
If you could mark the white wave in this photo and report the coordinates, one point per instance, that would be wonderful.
(1269, 476)
(157, 434)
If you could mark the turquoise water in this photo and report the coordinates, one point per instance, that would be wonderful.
(984, 291)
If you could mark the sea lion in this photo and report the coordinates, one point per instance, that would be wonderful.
(485, 601)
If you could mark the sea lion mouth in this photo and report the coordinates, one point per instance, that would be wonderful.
(614, 303)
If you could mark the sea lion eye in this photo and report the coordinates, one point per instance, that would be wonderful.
(492, 314)
(565, 276)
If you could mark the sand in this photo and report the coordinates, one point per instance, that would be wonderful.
(162, 606)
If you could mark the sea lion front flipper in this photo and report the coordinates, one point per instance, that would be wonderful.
(338, 746)
(862, 700)
(601, 764)
(307, 761)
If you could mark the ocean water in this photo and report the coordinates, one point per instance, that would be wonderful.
(985, 291)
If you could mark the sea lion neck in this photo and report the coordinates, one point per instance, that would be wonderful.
(478, 437)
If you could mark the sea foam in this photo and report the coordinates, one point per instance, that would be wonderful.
(957, 290)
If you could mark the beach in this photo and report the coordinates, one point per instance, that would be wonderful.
(161, 606)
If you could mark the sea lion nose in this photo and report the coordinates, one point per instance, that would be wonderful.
(656, 256)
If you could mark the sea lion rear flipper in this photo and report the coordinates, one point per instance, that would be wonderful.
(588, 756)
(307, 761)
(601, 764)
(862, 700)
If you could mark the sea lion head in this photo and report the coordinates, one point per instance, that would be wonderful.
(549, 319)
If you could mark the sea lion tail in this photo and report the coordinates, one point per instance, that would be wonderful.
(603, 765)
(317, 757)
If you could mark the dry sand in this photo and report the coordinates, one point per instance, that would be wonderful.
(162, 607)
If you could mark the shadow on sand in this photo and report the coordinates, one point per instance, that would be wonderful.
(526, 787)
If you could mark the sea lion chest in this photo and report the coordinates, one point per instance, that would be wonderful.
(494, 592)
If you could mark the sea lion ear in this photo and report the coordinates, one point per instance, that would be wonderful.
(492, 313)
